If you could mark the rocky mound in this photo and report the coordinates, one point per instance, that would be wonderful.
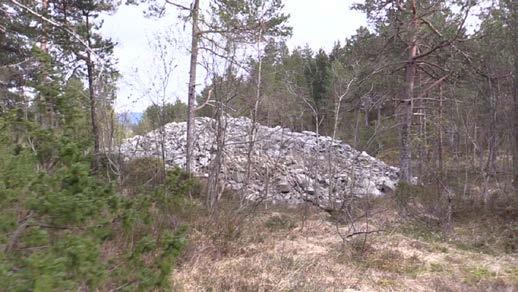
(286, 166)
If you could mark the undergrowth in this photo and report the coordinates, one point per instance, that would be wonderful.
(64, 228)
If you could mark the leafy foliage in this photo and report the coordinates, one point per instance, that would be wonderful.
(57, 222)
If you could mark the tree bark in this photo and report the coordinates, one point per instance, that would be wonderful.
(405, 107)
(513, 25)
(515, 122)
(440, 136)
(492, 138)
(44, 112)
(213, 187)
(93, 100)
(515, 117)
(253, 126)
(357, 129)
(44, 41)
(191, 99)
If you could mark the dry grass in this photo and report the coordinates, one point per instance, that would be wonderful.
(275, 251)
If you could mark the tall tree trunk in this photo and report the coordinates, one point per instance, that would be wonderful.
(44, 41)
(195, 39)
(492, 139)
(440, 136)
(405, 107)
(253, 126)
(420, 124)
(338, 104)
(93, 101)
(513, 25)
(515, 116)
(357, 130)
(515, 122)
(214, 188)
(43, 102)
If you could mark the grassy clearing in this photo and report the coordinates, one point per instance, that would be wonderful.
(276, 250)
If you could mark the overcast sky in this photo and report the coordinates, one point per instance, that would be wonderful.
(316, 23)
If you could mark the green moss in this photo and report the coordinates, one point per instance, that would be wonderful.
(474, 275)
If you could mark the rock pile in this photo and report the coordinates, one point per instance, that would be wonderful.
(286, 166)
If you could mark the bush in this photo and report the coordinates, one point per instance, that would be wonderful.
(280, 222)
(64, 229)
(50, 247)
(142, 174)
(420, 202)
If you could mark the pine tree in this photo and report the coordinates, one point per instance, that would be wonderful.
(90, 54)
(16, 63)
(412, 29)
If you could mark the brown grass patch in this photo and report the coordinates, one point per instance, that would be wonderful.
(276, 251)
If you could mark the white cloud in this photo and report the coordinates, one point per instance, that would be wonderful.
(321, 23)
(316, 23)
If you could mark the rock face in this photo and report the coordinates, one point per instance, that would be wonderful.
(286, 166)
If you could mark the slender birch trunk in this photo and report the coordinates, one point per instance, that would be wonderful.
(195, 39)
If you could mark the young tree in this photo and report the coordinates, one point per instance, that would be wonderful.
(93, 60)
(72, 29)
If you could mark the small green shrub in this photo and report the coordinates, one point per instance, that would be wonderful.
(142, 174)
(359, 247)
(422, 203)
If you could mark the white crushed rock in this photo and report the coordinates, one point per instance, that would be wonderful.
(286, 166)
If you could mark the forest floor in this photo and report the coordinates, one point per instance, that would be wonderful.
(278, 250)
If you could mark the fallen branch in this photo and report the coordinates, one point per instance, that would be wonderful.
(364, 232)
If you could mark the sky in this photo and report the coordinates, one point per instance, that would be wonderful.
(318, 24)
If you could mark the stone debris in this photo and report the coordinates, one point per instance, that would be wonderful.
(286, 166)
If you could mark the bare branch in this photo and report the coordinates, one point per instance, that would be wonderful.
(16, 64)
(206, 101)
(437, 82)
(431, 27)
(450, 41)
(182, 7)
